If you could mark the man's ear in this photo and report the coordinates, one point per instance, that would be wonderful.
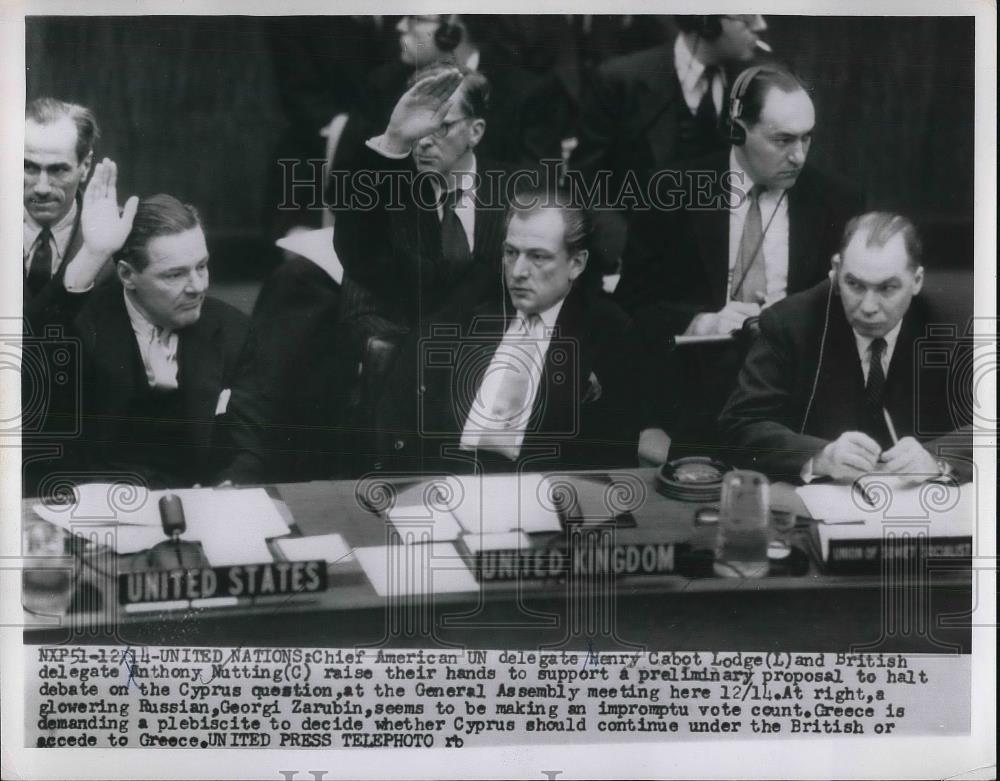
(918, 279)
(477, 128)
(88, 162)
(125, 274)
(577, 263)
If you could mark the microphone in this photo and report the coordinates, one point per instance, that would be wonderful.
(172, 516)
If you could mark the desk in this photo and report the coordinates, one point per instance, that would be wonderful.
(810, 612)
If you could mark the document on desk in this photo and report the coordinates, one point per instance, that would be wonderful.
(882, 498)
(424, 524)
(232, 524)
(501, 503)
(331, 548)
(416, 570)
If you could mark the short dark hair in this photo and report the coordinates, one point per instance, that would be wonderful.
(707, 26)
(158, 215)
(880, 227)
(771, 76)
(577, 225)
(576, 219)
(474, 92)
(46, 111)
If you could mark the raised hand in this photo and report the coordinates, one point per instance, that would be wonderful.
(104, 227)
(422, 109)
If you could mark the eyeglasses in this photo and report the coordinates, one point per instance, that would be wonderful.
(445, 128)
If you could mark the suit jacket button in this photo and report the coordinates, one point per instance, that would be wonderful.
(421, 390)
(399, 444)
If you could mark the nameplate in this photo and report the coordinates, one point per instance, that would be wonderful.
(584, 561)
(864, 556)
(243, 580)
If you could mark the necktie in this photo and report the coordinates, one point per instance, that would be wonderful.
(162, 365)
(749, 281)
(508, 416)
(706, 115)
(455, 250)
(40, 268)
(874, 392)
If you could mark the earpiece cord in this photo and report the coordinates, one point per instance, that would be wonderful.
(819, 362)
(760, 243)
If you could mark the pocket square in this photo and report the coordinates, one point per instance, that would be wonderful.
(223, 403)
(594, 390)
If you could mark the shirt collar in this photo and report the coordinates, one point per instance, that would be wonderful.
(61, 231)
(461, 178)
(865, 342)
(689, 69)
(140, 323)
(548, 317)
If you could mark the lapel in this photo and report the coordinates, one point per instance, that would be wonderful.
(901, 390)
(711, 233)
(841, 394)
(658, 92)
(115, 353)
(200, 373)
(565, 373)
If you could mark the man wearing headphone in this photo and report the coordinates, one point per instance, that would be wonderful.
(755, 221)
(647, 111)
(834, 386)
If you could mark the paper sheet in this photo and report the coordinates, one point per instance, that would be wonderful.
(231, 524)
(317, 246)
(501, 503)
(413, 570)
(888, 500)
(329, 547)
(501, 541)
(424, 524)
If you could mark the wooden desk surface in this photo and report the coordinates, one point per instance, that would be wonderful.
(807, 612)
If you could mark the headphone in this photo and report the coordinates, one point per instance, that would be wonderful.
(737, 133)
(449, 34)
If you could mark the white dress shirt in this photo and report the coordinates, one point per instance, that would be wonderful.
(62, 232)
(529, 345)
(864, 346)
(691, 75)
(157, 346)
(464, 178)
(774, 221)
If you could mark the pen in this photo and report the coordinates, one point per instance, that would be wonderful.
(888, 425)
(864, 494)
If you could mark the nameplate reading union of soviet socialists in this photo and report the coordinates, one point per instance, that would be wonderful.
(245, 580)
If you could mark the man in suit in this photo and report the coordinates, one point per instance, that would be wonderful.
(546, 376)
(647, 111)
(163, 393)
(420, 226)
(834, 387)
(756, 222)
(527, 113)
(68, 236)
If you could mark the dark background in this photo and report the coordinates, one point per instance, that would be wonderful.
(191, 106)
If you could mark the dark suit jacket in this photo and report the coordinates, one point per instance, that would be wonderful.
(629, 126)
(395, 253)
(211, 357)
(587, 413)
(677, 262)
(295, 323)
(765, 419)
(43, 305)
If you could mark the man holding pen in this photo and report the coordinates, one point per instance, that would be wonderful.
(835, 385)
